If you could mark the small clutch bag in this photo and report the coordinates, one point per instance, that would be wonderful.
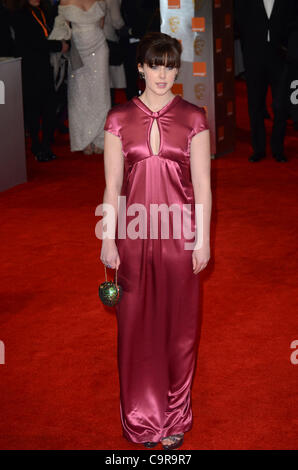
(110, 292)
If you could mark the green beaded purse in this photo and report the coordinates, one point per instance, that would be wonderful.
(110, 292)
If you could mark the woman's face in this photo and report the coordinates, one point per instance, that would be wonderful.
(34, 3)
(159, 78)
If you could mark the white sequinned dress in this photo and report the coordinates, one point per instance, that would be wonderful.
(89, 86)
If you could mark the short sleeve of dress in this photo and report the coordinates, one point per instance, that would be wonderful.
(111, 124)
(200, 122)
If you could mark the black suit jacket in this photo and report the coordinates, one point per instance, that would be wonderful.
(141, 15)
(252, 25)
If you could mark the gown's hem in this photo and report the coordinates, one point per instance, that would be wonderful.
(79, 148)
(174, 430)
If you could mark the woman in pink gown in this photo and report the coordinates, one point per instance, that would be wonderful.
(157, 152)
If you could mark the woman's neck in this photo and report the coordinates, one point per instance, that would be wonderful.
(155, 102)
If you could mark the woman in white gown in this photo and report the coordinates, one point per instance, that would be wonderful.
(89, 86)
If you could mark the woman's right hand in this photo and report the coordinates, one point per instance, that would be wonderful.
(102, 22)
(65, 47)
(109, 254)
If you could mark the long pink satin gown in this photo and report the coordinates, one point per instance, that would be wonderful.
(158, 314)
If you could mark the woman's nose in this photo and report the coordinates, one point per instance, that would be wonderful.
(162, 72)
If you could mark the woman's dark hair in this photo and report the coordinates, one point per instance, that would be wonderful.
(159, 49)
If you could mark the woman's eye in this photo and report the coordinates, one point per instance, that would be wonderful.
(170, 68)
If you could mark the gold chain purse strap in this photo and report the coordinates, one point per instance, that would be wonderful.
(107, 276)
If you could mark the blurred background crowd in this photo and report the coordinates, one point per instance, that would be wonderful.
(76, 53)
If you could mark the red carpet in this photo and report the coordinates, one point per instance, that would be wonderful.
(59, 386)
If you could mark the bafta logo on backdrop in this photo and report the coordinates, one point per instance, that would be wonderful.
(174, 23)
(199, 45)
(199, 90)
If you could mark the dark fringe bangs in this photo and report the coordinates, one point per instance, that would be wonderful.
(162, 55)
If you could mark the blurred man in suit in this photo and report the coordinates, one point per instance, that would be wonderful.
(264, 27)
(140, 17)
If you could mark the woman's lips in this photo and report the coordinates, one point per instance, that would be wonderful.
(161, 85)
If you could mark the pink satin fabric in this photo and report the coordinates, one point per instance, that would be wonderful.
(158, 314)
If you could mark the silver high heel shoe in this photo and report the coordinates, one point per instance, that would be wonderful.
(177, 440)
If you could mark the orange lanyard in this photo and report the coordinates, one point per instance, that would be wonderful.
(44, 24)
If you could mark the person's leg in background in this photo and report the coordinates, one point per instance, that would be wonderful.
(48, 115)
(32, 113)
(292, 79)
(32, 116)
(131, 70)
(292, 90)
(278, 81)
(61, 110)
(257, 86)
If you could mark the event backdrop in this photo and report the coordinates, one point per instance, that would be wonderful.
(206, 78)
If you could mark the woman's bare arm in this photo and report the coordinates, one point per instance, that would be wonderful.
(113, 167)
(116, 18)
(200, 165)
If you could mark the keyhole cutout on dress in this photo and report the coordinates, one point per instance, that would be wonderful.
(155, 138)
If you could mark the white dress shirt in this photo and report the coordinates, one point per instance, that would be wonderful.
(268, 4)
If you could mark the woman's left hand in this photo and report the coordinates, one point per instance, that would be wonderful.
(200, 258)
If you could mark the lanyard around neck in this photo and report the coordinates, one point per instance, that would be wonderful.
(43, 24)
